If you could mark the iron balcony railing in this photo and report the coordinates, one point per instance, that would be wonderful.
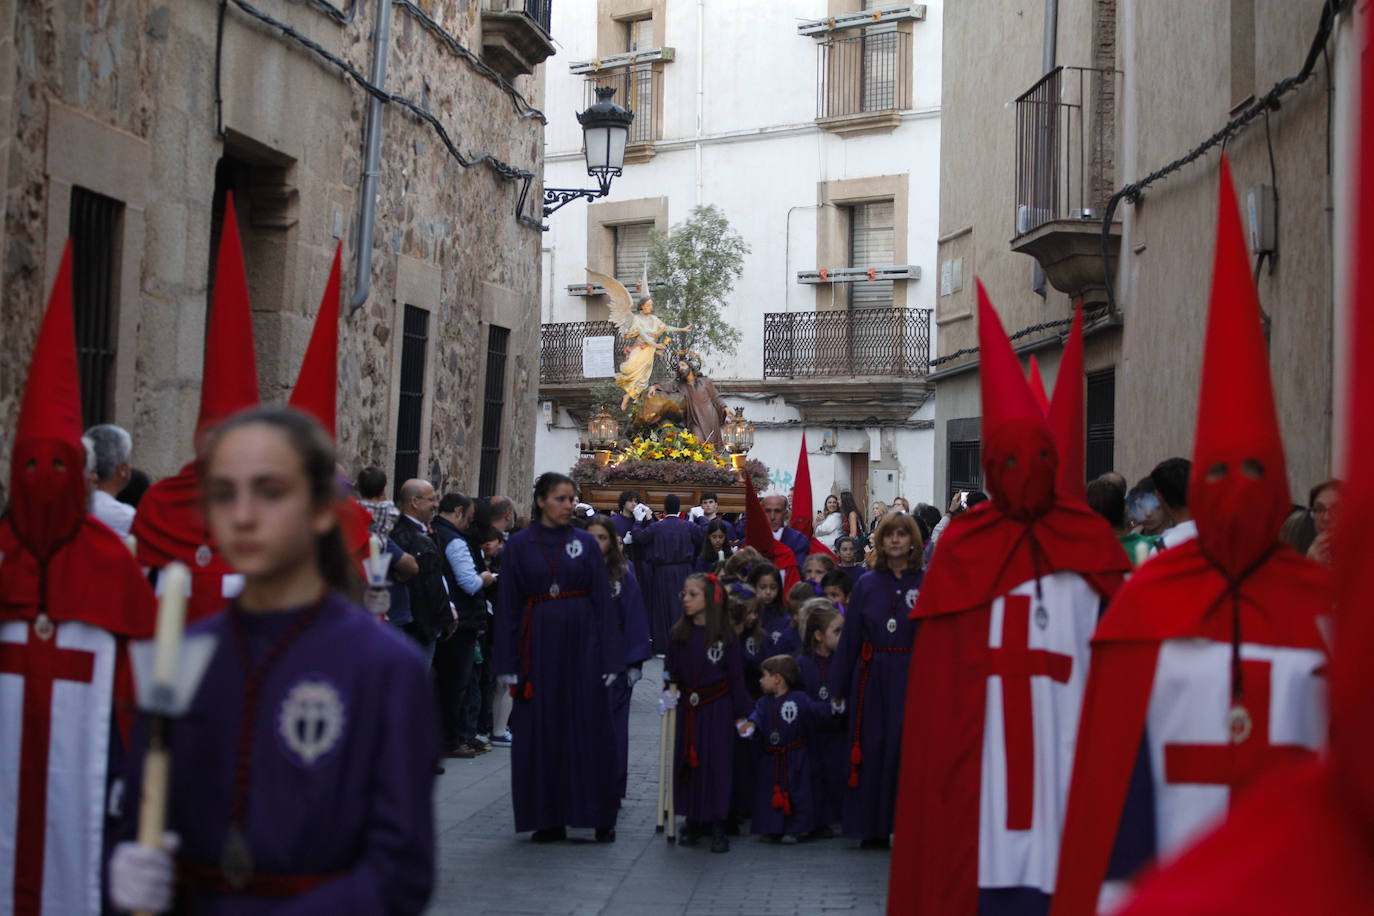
(866, 73)
(841, 343)
(537, 10)
(638, 88)
(560, 348)
(1064, 143)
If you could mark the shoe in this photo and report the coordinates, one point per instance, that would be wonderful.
(771, 838)
(549, 835)
(789, 839)
(501, 740)
(732, 827)
(438, 770)
(482, 739)
(874, 842)
(719, 841)
(687, 836)
(823, 832)
(462, 752)
(605, 834)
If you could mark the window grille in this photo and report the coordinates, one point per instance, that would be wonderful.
(870, 245)
(965, 466)
(1101, 423)
(94, 230)
(494, 405)
(409, 410)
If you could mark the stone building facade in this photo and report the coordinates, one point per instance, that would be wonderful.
(1127, 87)
(143, 114)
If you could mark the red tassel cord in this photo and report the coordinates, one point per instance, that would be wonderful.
(856, 754)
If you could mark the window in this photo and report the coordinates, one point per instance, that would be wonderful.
(881, 63)
(870, 245)
(632, 254)
(639, 34)
(94, 230)
(965, 466)
(493, 407)
(1101, 422)
(409, 411)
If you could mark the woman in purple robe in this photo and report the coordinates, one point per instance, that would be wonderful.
(872, 659)
(557, 643)
(634, 629)
(704, 662)
(324, 797)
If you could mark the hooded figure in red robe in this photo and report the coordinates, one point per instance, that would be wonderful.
(1302, 840)
(170, 524)
(71, 596)
(997, 673)
(758, 536)
(1208, 668)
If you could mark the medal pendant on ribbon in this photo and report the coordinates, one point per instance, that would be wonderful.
(236, 859)
(1042, 616)
(892, 624)
(823, 693)
(1238, 724)
(695, 698)
(43, 627)
(203, 556)
(553, 589)
(775, 738)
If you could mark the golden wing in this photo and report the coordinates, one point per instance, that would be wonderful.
(622, 306)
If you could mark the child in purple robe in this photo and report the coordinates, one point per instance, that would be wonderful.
(837, 587)
(557, 642)
(779, 629)
(871, 660)
(715, 547)
(704, 662)
(849, 559)
(745, 619)
(828, 750)
(783, 721)
(324, 797)
(815, 568)
(634, 627)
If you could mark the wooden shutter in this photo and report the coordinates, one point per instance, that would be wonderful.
(632, 254)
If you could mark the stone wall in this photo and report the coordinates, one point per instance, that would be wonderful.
(120, 98)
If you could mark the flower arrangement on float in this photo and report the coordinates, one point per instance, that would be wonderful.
(669, 455)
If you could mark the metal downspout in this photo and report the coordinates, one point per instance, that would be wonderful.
(367, 217)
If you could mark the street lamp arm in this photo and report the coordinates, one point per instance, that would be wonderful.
(555, 198)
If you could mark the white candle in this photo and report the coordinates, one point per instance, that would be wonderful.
(374, 546)
(171, 622)
(132, 544)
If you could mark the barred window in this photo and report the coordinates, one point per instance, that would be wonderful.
(410, 408)
(94, 229)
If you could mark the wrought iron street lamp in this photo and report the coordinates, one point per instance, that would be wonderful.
(605, 130)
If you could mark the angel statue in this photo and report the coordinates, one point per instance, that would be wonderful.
(642, 328)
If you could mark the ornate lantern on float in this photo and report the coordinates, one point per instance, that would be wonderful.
(602, 434)
(738, 436)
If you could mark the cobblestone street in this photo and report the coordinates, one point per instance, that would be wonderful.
(485, 868)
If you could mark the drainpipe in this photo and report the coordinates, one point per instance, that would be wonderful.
(367, 218)
(701, 88)
(1051, 34)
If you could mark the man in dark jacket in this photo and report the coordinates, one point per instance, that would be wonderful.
(455, 654)
(429, 601)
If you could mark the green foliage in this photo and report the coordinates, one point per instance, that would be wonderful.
(698, 262)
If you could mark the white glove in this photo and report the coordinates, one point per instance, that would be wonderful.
(745, 729)
(837, 706)
(666, 702)
(507, 680)
(608, 679)
(629, 537)
(696, 512)
(141, 878)
(633, 675)
(643, 512)
(377, 600)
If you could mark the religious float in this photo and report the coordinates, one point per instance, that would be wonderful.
(678, 436)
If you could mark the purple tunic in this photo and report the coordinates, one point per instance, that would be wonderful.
(785, 762)
(780, 636)
(634, 626)
(714, 673)
(669, 552)
(344, 743)
(876, 695)
(827, 746)
(747, 753)
(563, 758)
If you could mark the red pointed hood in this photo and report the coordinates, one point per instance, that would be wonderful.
(1066, 415)
(1019, 457)
(48, 464)
(759, 536)
(318, 383)
(801, 493)
(1239, 488)
(1037, 386)
(229, 380)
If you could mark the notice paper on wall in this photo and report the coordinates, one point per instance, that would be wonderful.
(598, 357)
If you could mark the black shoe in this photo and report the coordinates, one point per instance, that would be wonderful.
(438, 770)
(771, 838)
(732, 827)
(823, 832)
(719, 841)
(874, 842)
(549, 835)
(687, 835)
(605, 834)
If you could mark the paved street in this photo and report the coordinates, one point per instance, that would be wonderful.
(485, 868)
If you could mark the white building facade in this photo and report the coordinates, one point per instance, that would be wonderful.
(814, 125)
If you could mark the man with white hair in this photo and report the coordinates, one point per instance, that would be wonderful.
(112, 448)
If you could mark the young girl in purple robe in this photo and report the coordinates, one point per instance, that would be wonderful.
(779, 629)
(815, 568)
(304, 766)
(872, 660)
(828, 750)
(715, 547)
(704, 662)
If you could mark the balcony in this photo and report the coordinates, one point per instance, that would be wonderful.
(640, 89)
(864, 81)
(561, 348)
(515, 35)
(1064, 177)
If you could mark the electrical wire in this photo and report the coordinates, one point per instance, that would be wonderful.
(502, 169)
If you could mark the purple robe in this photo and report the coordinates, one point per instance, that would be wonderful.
(827, 747)
(344, 743)
(563, 758)
(780, 636)
(798, 543)
(784, 766)
(668, 555)
(752, 647)
(878, 616)
(702, 793)
(634, 626)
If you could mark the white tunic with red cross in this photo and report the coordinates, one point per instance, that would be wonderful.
(1194, 763)
(1036, 674)
(56, 692)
